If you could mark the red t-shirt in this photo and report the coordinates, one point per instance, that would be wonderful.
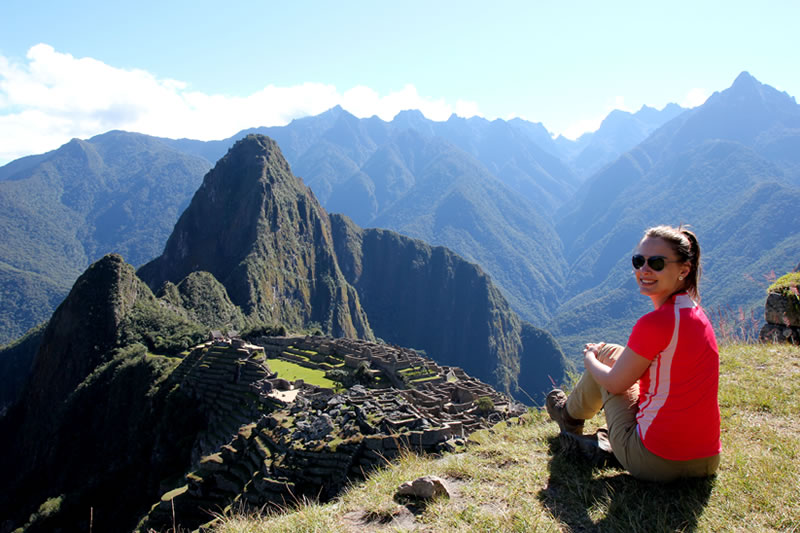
(678, 416)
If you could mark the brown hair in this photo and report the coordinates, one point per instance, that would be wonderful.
(684, 244)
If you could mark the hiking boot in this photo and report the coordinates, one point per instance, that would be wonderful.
(556, 405)
(595, 448)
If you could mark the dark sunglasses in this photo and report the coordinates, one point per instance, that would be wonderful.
(656, 262)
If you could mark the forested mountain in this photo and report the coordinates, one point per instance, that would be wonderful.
(117, 192)
(258, 230)
(92, 417)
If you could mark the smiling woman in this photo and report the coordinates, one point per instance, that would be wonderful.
(659, 392)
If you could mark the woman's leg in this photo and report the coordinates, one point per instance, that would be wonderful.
(587, 398)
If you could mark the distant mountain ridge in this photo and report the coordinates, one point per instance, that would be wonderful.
(337, 154)
(619, 132)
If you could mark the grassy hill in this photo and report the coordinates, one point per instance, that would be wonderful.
(513, 477)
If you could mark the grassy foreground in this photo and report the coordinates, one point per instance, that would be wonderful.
(513, 478)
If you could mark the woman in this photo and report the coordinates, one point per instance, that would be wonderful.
(659, 392)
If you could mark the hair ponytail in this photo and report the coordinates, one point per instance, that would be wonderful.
(693, 278)
(684, 242)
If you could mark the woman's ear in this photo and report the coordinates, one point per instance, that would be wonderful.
(686, 268)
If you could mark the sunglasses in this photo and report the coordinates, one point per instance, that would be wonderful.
(656, 262)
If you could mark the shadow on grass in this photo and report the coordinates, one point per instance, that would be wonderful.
(587, 498)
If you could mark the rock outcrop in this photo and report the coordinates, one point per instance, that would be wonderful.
(782, 311)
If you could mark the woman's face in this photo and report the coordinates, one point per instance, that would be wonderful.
(660, 285)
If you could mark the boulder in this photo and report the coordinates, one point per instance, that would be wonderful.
(426, 488)
(782, 309)
(779, 333)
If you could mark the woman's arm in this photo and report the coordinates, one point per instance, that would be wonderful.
(616, 379)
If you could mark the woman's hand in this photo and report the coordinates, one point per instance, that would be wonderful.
(613, 367)
(600, 351)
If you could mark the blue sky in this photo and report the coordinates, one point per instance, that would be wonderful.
(208, 69)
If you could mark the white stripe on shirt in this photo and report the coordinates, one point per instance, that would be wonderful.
(660, 371)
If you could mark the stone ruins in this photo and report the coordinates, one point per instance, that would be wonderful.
(270, 441)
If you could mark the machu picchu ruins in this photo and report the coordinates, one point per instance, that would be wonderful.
(271, 441)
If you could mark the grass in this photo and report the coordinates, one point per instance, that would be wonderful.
(514, 478)
(293, 371)
(786, 284)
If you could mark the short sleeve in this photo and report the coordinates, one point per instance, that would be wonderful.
(652, 333)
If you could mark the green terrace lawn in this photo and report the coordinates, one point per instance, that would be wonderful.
(293, 371)
(515, 478)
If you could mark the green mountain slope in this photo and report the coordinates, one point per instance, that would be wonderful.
(92, 413)
(117, 192)
(456, 203)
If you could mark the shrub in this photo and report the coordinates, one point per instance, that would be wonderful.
(484, 404)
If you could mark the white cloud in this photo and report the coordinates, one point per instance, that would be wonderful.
(467, 109)
(695, 97)
(579, 127)
(53, 97)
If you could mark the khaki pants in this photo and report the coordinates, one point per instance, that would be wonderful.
(588, 398)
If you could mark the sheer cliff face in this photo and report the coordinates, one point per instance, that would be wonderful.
(259, 231)
(430, 298)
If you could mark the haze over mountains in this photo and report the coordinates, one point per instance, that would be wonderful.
(502, 194)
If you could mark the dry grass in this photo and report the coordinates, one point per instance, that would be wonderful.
(513, 478)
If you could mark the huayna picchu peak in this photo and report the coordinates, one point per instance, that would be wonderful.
(261, 232)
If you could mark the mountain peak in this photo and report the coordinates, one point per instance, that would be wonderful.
(745, 79)
(409, 114)
(83, 329)
(250, 223)
(761, 100)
